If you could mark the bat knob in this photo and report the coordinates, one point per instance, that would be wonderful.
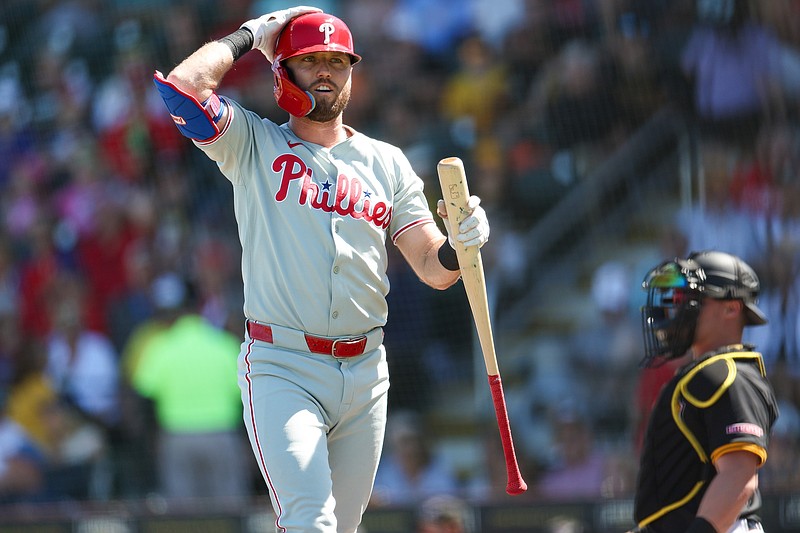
(517, 487)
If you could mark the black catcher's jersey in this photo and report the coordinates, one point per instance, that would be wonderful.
(715, 405)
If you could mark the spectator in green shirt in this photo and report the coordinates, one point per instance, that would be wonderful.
(188, 370)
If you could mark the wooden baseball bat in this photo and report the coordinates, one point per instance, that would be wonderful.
(455, 193)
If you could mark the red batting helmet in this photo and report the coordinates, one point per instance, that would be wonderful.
(308, 33)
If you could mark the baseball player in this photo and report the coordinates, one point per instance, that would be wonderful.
(315, 201)
(708, 432)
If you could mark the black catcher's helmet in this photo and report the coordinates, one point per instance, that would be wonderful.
(675, 290)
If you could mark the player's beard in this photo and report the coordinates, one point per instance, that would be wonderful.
(325, 111)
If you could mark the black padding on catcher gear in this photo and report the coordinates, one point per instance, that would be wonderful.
(704, 385)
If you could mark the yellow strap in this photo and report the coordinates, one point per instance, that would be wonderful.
(671, 507)
(680, 390)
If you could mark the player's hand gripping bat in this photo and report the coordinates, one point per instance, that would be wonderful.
(455, 193)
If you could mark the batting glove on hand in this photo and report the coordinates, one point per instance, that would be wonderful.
(265, 29)
(473, 230)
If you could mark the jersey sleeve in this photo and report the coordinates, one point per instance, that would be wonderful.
(410, 206)
(738, 414)
(233, 149)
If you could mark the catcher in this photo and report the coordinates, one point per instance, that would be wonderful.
(708, 432)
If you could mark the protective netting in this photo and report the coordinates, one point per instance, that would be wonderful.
(601, 136)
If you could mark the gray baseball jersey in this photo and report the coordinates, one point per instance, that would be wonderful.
(313, 223)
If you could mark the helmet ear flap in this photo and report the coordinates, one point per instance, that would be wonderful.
(288, 95)
(306, 34)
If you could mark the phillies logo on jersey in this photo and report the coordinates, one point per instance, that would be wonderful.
(349, 198)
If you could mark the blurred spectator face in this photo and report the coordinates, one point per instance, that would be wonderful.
(474, 54)
(10, 336)
(138, 267)
(443, 525)
(579, 69)
(410, 448)
(141, 212)
(68, 306)
(66, 317)
(444, 514)
(611, 288)
(716, 161)
(574, 440)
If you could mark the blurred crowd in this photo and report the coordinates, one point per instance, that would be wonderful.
(118, 243)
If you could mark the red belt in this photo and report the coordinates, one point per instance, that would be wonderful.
(341, 347)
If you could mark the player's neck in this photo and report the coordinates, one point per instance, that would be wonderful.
(699, 350)
(327, 134)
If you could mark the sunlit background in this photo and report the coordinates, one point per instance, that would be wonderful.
(602, 136)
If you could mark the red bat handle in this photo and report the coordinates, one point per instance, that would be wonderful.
(516, 485)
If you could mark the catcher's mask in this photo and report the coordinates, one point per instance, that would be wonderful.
(675, 292)
(308, 33)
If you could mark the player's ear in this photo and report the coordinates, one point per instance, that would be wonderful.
(734, 308)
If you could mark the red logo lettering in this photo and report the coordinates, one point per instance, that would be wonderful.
(346, 199)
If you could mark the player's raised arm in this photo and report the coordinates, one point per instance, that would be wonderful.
(189, 91)
(201, 73)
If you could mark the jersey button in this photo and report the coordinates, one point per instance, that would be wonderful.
(336, 269)
(335, 314)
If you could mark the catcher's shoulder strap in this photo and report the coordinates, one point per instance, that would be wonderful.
(702, 384)
(710, 377)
